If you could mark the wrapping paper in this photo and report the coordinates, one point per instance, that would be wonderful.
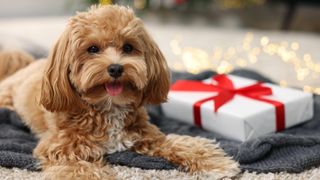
(241, 117)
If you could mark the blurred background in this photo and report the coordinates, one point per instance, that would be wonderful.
(278, 38)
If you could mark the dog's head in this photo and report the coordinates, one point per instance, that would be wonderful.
(104, 55)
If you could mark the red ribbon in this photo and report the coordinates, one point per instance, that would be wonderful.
(226, 92)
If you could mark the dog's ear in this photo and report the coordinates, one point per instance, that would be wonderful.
(158, 72)
(56, 91)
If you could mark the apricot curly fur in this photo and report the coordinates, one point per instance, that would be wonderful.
(13, 60)
(65, 102)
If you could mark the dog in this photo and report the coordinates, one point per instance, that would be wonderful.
(87, 100)
(12, 61)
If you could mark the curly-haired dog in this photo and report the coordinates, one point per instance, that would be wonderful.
(88, 99)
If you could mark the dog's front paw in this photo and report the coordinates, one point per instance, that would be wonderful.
(213, 163)
(79, 171)
(203, 156)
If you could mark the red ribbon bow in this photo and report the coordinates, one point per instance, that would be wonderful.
(226, 92)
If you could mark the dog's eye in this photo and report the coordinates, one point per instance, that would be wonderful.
(127, 48)
(93, 49)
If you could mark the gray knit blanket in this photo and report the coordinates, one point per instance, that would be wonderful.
(292, 150)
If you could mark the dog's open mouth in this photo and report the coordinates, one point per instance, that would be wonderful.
(114, 88)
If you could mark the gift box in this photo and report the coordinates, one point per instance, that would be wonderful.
(237, 108)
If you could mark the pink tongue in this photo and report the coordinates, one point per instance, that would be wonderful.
(114, 88)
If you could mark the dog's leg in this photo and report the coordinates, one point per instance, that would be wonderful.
(193, 154)
(72, 157)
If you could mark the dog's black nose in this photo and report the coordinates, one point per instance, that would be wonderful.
(115, 70)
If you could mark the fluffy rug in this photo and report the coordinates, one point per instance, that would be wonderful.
(127, 173)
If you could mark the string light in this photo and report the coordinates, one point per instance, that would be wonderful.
(105, 2)
(236, 4)
(283, 83)
(139, 4)
(224, 60)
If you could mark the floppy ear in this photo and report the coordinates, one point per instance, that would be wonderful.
(158, 72)
(56, 91)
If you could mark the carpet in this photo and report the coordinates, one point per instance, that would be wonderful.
(126, 173)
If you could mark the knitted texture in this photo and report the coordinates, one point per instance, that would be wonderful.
(292, 150)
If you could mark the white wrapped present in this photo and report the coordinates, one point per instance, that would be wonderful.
(238, 108)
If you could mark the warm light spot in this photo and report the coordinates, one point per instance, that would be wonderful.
(105, 2)
(316, 90)
(139, 4)
(315, 75)
(256, 51)
(271, 49)
(295, 46)
(284, 44)
(195, 60)
(175, 45)
(178, 66)
(264, 40)
(310, 65)
(217, 54)
(246, 46)
(302, 73)
(241, 62)
(307, 88)
(230, 53)
(252, 58)
(307, 57)
(224, 67)
(281, 50)
(317, 68)
(248, 37)
(283, 83)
